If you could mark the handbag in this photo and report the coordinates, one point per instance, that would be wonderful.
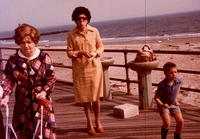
(146, 54)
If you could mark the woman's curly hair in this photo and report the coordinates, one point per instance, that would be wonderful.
(24, 30)
(81, 10)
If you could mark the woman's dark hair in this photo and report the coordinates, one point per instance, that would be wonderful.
(168, 66)
(81, 10)
(24, 30)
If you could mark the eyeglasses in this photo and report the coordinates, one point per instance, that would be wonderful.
(81, 18)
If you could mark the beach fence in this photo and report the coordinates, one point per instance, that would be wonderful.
(5, 52)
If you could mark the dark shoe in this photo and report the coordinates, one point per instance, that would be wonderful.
(177, 136)
(100, 129)
(164, 133)
(91, 132)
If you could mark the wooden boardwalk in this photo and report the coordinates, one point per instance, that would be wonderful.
(71, 121)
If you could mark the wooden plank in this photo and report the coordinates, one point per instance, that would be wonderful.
(71, 120)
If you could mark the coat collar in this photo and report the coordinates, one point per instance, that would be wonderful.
(36, 54)
(90, 28)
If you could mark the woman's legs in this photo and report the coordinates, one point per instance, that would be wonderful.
(96, 109)
(88, 113)
(89, 107)
(2, 131)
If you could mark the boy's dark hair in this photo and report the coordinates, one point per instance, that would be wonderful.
(167, 66)
(81, 10)
(24, 30)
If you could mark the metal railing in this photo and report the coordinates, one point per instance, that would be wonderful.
(125, 53)
(125, 65)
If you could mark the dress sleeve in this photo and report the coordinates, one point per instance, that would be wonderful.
(8, 78)
(49, 79)
(99, 44)
(50, 74)
(70, 47)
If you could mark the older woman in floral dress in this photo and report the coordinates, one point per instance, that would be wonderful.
(33, 73)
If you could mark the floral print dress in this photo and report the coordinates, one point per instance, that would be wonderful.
(30, 76)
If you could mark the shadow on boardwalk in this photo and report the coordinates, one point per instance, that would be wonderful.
(71, 121)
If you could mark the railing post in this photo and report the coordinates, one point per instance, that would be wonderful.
(106, 62)
(127, 73)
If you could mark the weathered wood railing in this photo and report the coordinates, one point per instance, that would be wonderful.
(125, 52)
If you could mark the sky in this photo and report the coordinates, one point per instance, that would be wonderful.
(47, 13)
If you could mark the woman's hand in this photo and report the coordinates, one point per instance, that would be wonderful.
(86, 54)
(4, 101)
(41, 95)
(94, 54)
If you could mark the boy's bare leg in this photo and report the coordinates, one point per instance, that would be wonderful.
(179, 120)
(166, 124)
(166, 120)
(88, 113)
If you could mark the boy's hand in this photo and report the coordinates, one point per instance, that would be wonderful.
(165, 106)
(4, 101)
(177, 103)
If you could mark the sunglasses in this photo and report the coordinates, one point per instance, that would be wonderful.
(81, 18)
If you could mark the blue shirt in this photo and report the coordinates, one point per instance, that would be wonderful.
(167, 93)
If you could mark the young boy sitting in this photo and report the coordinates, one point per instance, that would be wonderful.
(165, 98)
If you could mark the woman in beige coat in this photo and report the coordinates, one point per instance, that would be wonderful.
(84, 47)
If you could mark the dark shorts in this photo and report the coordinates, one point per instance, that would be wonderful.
(173, 109)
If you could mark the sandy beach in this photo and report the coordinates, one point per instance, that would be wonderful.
(184, 62)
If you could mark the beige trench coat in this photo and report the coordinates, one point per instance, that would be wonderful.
(87, 73)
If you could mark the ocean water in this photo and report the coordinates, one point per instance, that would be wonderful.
(156, 27)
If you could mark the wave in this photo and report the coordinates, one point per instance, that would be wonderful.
(114, 39)
(158, 37)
